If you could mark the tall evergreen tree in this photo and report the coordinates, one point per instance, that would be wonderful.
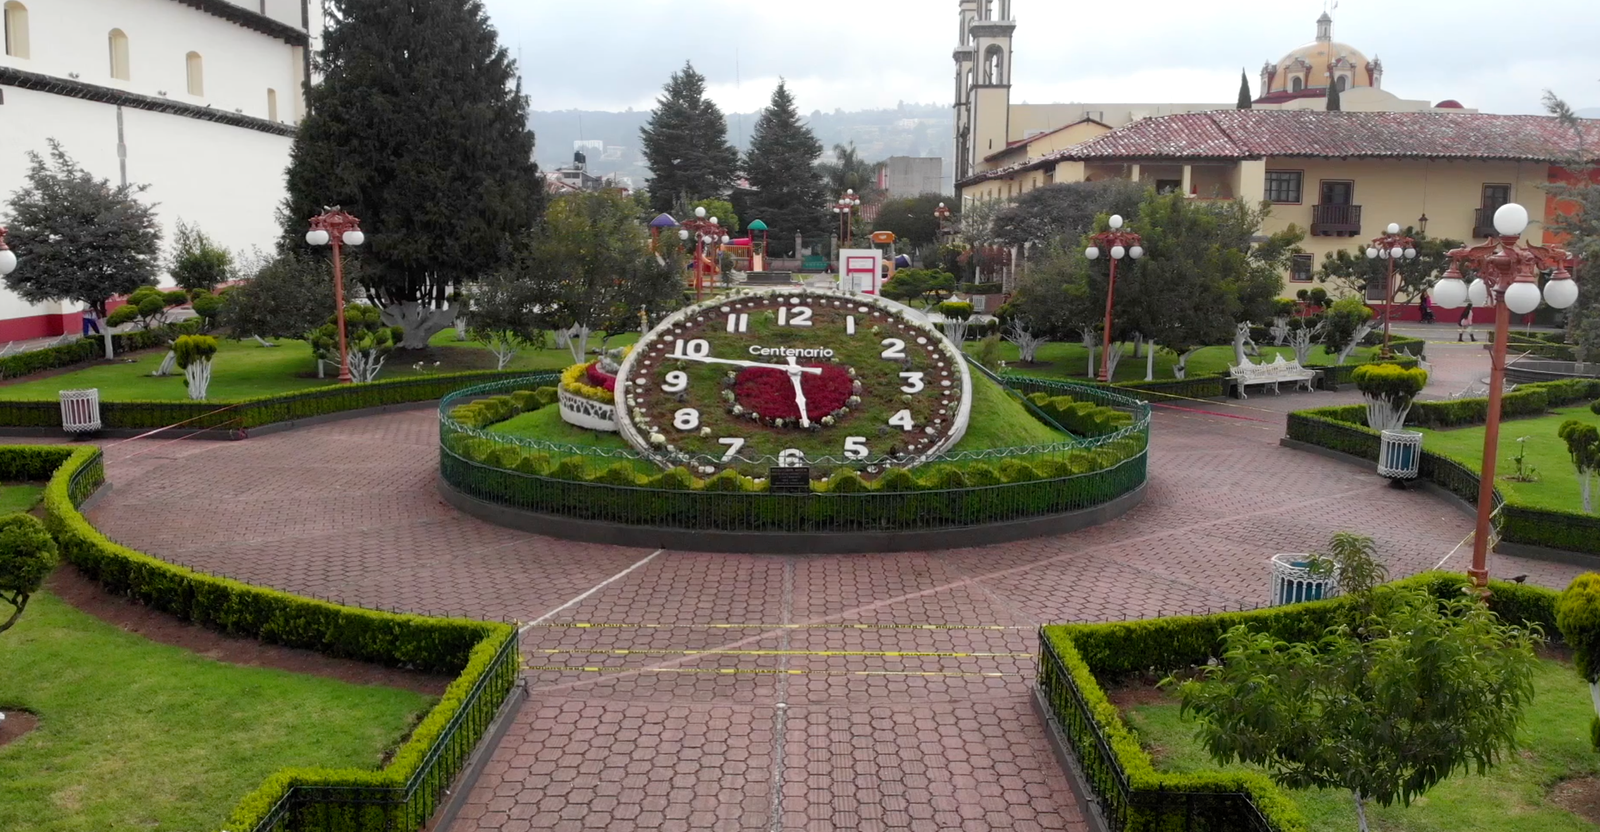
(782, 167)
(1333, 96)
(1244, 91)
(420, 128)
(686, 144)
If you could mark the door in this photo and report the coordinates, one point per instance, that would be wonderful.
(1495, 196)
(1338, 193)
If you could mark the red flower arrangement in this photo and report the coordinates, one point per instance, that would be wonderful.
(601, 378)
(769, 393)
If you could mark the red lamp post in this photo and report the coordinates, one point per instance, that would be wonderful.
(1117, 244)
(339, 229)
(845, 208)
(708, 235)
(1391, 248)
(1508, 279)
(8, 258)
(942, 215)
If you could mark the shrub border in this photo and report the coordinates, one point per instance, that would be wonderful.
(404, 794)
(1128, 793)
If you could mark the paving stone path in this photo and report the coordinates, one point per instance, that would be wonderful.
(682, 690)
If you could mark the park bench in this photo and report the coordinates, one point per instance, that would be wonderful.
(1271, 373)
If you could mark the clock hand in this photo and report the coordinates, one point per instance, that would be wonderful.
(794, 370)
(815, 371)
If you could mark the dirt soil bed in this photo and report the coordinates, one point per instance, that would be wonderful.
(15, 725)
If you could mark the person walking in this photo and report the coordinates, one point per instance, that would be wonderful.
(91, 322)
(1464, 326)
(1426, 305)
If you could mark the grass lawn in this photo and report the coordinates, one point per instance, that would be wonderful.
(1070, 360)
(14, 498)
(546, 425)
(245, 369)
(1512, 797)
(135, 735)
(1557, 484)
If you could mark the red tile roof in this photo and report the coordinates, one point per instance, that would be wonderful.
(1224, 135)
(1011, 147)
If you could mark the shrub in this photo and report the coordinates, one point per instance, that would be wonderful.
(27, 554)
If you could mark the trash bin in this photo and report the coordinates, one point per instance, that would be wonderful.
(1400, 454)
(80, 410)
(1293, 582)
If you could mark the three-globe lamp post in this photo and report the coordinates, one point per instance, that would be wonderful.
(1507, 271)
(845, 209)
(1116, 244)
(8, 258)
(708, 235)
(1393, 247)
(336, 227)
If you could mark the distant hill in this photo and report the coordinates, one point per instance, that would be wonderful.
(907, 130)
(1589, 112)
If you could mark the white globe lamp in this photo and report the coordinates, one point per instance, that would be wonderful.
(1478, 293)
(1116, 221)
(1560, 293)
(1522, 298)
(700, 213)
(683, 234)
(1511, 220)
(1411, 254)
(1372, 254)
(1118, 252)
(1396, 253)
(1394, 228)
(1450, 292)
(1136, 252)
(8, 261)
(1092, 252)
(317, 237)
(354, 238)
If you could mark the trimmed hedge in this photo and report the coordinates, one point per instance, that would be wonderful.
(474, 650)
(1155, 800)
(81, 351)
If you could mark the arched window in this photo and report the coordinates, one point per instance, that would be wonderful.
(994, 65)
(197, 75)
(119, 55)
(272, 104)
(1344, 81)
(1295, 84)
(16, 25)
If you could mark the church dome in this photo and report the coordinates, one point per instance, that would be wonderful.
(1323, 61)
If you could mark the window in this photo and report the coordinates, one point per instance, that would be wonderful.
(119, 54)
(1295, 84)
(1495, 196)
(272, 104)
(1300, 270)
(1344, 80)
(197, 75)
(16, 25)
(1338, 192)
(1284, 186)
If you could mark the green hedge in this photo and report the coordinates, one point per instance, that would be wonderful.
(263, 410)
(1136, 797)
(81, 351)
(1334, 375)
(483, 656)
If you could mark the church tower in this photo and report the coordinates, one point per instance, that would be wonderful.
(983, 82)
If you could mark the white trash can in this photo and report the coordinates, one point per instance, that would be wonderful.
(80, 410)
(1293, 582)
(1400, 454)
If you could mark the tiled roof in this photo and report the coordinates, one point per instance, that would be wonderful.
(1011, 147)
(1221, 135)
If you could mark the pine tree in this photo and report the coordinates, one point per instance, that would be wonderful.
(789, 194)
(1333, 96)
(420, 129)
(686, 144)
(1244, 91)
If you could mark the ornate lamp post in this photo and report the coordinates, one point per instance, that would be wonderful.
(8, 258)
(707, 236)
(1391, 248)
(1118, 244)
(942, 215)
(334, 226)
(845, 208)
(1508, 279)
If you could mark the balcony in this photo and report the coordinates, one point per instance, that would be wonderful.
(1335, 220)
(1483, 223)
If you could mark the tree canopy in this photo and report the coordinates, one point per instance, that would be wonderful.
(911, 219)
(418, 127)
(788, 190)
(287, 298)
(1350, 269)
(77, 237)
(1065, 210)
(849, 172)
(1245, 99)
(197, 261)
(27, 554)
(686, 144)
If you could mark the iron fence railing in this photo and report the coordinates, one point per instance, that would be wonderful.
(1124, 808)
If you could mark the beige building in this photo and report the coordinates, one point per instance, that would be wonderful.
(1340, 176)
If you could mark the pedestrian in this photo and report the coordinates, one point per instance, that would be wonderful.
(1426, 303)
(91, 322)
(1464, 326)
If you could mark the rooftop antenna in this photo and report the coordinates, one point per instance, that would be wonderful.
(736, 84)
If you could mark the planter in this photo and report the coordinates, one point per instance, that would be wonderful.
(80, 410)
(587, 414)
(1400, 454)
(1293, 581)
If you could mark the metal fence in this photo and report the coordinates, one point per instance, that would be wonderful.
(1124, 808)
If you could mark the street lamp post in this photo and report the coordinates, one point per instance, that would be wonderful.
(707, 235)
(845, 209)
(1391, 248)
(8, 258)
(1117, 244)
(1508, 279)
(942, 215)
(334, 226)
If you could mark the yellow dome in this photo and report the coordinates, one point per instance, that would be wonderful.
(1314, 64)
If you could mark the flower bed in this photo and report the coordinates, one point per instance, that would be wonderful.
(577, 381)
(769, 394)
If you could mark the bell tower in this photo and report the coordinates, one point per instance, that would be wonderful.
(983, 82)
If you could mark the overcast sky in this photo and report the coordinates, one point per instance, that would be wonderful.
(857, 54)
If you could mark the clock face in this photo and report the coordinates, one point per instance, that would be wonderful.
(793, 378)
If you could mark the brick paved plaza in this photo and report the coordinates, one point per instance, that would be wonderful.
(850, 692)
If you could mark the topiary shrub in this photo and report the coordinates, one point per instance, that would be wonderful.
(846, 481)
(27, 554)
(1389, 389)
(194, 353)
(368, 341)
(675, 479)
(897, 479)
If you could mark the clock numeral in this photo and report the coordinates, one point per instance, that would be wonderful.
(733, 448)
(698, 348)
(689, 419)
(799, 316)
(913, 383)
(902, 420)
(894, 348)
(850, 325)
(791, 458)
(738, 322)
(855, 447)
(677, 382)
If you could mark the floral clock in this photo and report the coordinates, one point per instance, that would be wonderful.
(791, 378)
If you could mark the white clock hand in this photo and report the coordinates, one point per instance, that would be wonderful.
(794, 370)
(815, 371)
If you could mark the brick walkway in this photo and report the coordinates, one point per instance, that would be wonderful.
(830, 703)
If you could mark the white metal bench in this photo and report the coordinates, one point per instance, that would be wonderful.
(1480, 389)
(1271, 373)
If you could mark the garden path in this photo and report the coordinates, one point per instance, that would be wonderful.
(866, 692)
